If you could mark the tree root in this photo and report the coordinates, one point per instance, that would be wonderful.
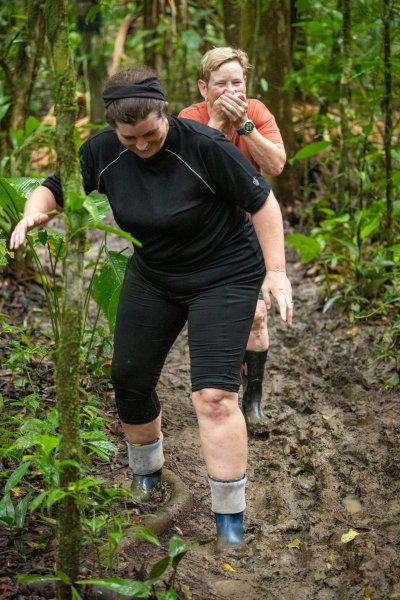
(179, 503)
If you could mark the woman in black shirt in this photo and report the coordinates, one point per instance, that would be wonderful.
(184, 191)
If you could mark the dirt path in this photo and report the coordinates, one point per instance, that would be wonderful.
(329, 463)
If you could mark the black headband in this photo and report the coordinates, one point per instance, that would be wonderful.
(148, 88)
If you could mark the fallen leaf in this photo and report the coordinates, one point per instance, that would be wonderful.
(178, 530)
(366, 594)
(331, 560)
(18, 493)
(294, 543)
(228, 567)
(349, 536)
(353, 331)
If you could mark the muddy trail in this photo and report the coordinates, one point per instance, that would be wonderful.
(328, 463)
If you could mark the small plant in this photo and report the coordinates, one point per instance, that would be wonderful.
(33, 136)
(356, 265)
(388, 350)
(153, 587)
(12, 516)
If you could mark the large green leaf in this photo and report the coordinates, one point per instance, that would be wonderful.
(3, 251)
(11, 201)
(22, 578)
(21, 509)
(17, 475)
(25, 185)
(177, 546)
(309, 150)
(106, 286)
(125, 587)
(119, 232)
(7, 511)
(143, 533)
(307, 247)
(159, 568)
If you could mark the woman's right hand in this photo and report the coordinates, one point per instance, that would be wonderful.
(18, 236)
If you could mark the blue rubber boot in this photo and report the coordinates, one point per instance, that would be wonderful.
(230, 531)
(143, 485)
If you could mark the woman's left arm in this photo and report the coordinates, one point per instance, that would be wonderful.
(268, 224)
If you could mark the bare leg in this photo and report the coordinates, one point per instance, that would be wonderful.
(142, 434)
(222, 433)
(258, 339)
(224, 442)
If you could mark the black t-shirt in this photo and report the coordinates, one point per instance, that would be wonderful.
(187, 204)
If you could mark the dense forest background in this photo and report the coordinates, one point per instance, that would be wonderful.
(328, 71)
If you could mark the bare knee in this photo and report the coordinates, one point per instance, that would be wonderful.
(215, 404)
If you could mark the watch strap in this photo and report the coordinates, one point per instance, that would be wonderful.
(246, 128)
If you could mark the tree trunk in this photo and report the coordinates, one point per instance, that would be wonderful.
(342, 188)
(265, 34)
(231, 14)
(20, 69)
(94, 60)
(120, 43)
(67, 360)
(387, 107)
(150, 22)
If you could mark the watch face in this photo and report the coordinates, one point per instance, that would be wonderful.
(248, 126)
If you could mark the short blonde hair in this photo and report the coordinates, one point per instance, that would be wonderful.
(213, 59)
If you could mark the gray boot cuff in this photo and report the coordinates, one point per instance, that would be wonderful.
(228, 497)
(146, 459)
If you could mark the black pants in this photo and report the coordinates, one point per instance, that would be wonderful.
(150, 319)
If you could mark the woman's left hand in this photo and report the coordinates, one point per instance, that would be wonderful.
(277, 284)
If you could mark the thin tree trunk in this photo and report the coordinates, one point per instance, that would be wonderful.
(150, 22)
(120, 42)
(342, 189)
(20, 69)
(265, 34)
(231, 14)
(387, 107)
(67, 359)
(94, 59)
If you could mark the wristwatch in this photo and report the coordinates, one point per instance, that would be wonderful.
(246, 128)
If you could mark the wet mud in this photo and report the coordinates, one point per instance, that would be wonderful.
(326, 465)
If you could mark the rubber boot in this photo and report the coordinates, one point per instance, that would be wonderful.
(228, 503)
(230, 531)
(146, 462)
(254, 363)
(144, 485)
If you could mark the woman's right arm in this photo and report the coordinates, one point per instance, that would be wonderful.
(36, 213)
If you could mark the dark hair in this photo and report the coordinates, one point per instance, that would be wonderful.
(131, 110)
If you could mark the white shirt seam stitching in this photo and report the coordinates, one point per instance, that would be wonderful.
(191, 169)
(109, 165)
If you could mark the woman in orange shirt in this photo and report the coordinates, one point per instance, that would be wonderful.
(252, 128)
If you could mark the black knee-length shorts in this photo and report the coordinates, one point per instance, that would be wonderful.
(149, 320)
